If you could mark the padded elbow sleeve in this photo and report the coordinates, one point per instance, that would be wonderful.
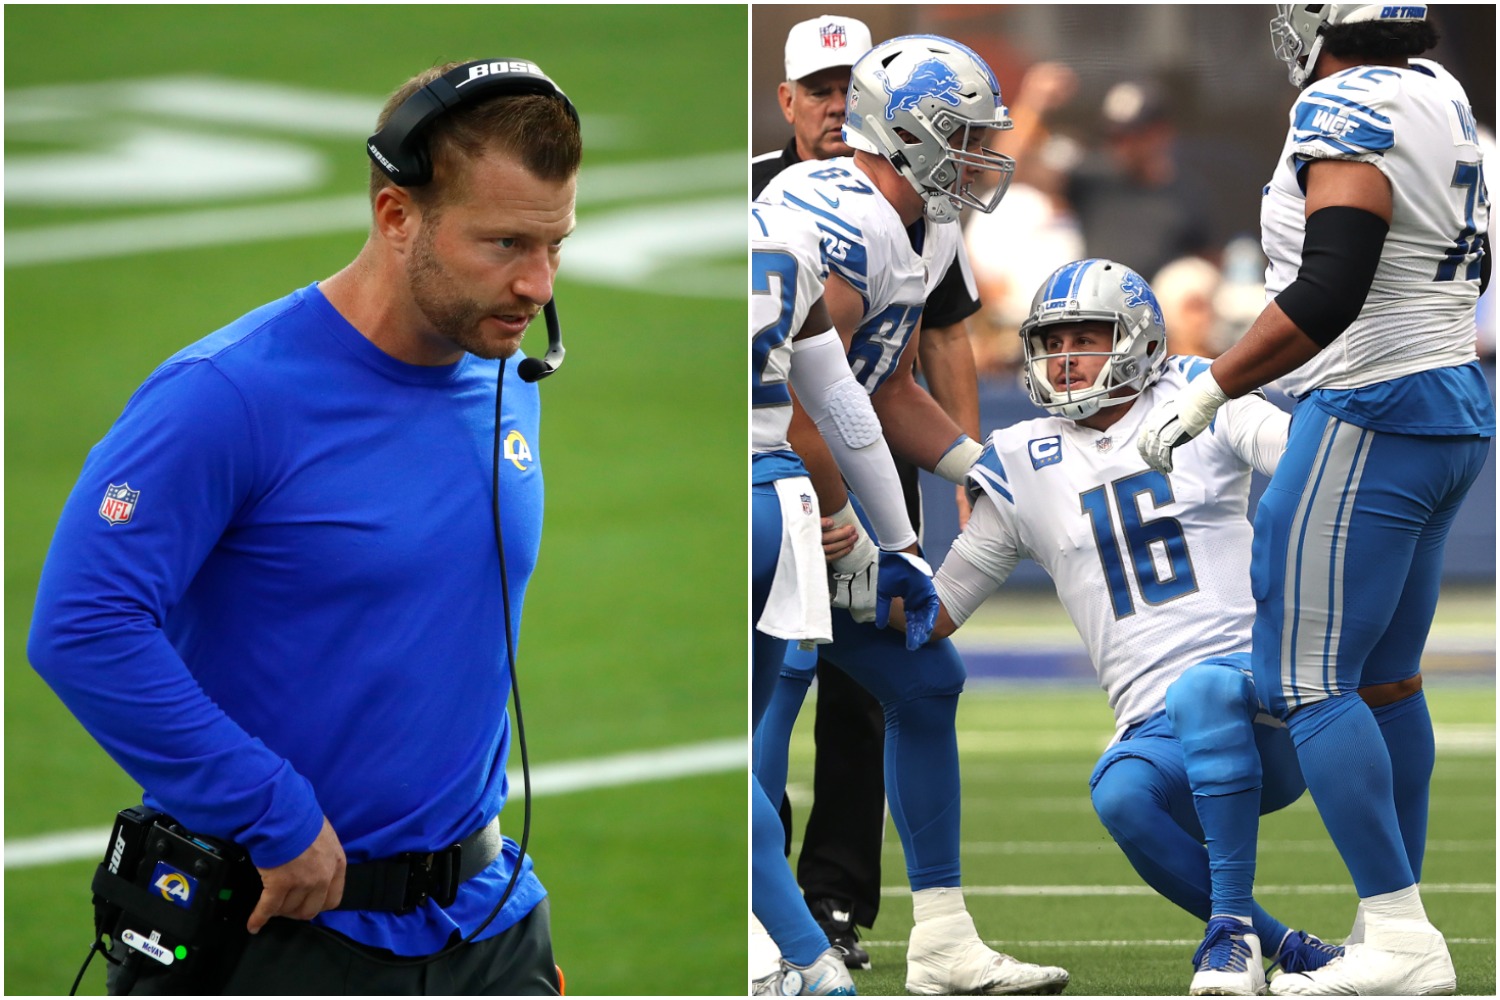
(1340, 252)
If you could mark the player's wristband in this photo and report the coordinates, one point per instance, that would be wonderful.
(957, 460)
(864, 551)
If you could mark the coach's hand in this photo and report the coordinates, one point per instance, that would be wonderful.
(305, 886)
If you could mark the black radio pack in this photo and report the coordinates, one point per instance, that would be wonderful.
(172, 902)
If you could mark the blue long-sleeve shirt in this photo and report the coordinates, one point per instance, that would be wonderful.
(274, 595)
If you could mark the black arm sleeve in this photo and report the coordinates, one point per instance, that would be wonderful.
(1340, 252)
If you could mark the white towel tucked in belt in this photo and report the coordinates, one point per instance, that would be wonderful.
(797, 607)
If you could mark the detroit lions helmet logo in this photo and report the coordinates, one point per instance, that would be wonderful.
(1138, 293)
(932, 78)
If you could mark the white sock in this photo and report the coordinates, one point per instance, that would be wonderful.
(1403, 904)
(1231, 916)
(931, 904)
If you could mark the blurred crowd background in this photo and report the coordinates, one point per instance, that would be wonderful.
(1143, 133)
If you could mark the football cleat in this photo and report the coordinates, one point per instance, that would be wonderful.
(1405, 958)
(825, 977)
(1302, 952)
(945, 957)
(1228, 962)
(838, 923)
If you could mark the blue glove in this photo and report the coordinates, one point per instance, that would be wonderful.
(908, 577)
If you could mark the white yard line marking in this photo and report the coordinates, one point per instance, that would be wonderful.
(1119, 943)
(712, 757)
(1105, 845)
(1460, 888)
(342, 213)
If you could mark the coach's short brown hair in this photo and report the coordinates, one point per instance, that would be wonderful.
(535, 129)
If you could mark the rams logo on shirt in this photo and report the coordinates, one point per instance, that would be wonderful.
(517, 451)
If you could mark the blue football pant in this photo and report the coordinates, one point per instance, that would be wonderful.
(1143, 794)
(774, 896)
(1345, 572)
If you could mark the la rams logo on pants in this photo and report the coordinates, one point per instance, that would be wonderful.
(175, 887)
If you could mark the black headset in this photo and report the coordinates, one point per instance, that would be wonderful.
(400, 149)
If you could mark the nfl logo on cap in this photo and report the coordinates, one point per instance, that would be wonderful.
(834, 36)
(119, 503)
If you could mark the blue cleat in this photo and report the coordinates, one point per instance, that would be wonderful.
(1302, 952)
(1228, 962)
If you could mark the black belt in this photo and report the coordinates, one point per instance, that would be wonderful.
(400, 884)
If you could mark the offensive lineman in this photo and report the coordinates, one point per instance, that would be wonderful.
(1374, 225)
(1154, 572)
(919, 110)
(794, 342)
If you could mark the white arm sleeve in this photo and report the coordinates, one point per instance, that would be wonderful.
(847, 421)
(1257, 431)
(978, 563)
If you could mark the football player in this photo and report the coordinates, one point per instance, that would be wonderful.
(793, 343)
(920, 108)
(1154, 571)
(839, 862)
(1374, 224)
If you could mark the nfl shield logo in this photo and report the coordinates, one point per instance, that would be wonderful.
(806, 504)
(834, 36)
(119, 503)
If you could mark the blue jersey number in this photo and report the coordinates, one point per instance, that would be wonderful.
(1145, 541)
(1465, 251)
(834, 173)
(878, 343)
(774, 282)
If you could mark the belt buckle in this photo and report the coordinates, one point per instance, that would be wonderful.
(432, 876)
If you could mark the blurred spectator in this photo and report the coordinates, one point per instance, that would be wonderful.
(1032, 232)
(1185, 290)
(1132, 201)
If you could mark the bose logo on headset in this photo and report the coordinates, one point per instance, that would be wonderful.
(480, 70)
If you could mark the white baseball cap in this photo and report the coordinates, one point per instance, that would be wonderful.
(827, 40)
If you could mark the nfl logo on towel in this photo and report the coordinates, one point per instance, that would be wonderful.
(806, 504)
(119, 503)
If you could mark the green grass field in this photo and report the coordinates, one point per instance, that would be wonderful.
(169, 168)
(1045, 883)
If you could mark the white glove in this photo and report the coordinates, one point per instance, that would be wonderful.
(851, 577)
(1179, 420)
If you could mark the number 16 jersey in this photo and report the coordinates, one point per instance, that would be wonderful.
(1153, 569)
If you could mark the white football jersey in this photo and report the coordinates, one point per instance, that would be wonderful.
(786, 267)
(865, 243)
(1153, 569)
(1416, 127)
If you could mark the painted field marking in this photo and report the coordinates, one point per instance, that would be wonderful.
(711, 757)
(1459, 888)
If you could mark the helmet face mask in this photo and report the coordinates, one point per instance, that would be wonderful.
(924, 103)
(1297, 30)
(1104, 291)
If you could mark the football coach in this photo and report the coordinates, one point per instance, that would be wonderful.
(285, 592)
